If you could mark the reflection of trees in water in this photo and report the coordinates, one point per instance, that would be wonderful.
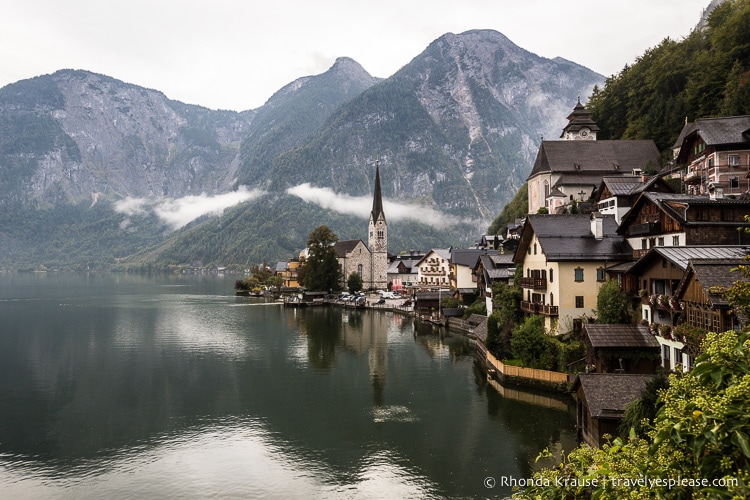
(323, 328)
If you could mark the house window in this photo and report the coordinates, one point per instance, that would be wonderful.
(551, 275)
(579, 301)
(675, 241)
(579, 274)
(660, 241)
(665, 357)
(359, 269)
(734, 182)
(600, 274)
(677, 355)
(734, 160)
(534, 248)
(552, 299)
(644, 245)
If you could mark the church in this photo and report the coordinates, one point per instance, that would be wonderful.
(369, 261)
(572, 168)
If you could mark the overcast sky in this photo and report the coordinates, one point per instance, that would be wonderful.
(234, 54)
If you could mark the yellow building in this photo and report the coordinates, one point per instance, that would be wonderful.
(564, 258)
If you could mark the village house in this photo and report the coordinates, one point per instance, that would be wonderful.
(601, 399)
(403, 271)
(715, 152)
(621, 349)
(669, 219)
(572, 169)
(463, 278)
(434, 269)
(288, 272)
(563, 258)
(491, 269)
(616, 194)
(703, 308)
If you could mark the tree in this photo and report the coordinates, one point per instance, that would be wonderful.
(354, 282)
(528, 341)
(322, 271)
(613, 305)
(700, 435)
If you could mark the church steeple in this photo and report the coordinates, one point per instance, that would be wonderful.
(378, 240)
(377, 199)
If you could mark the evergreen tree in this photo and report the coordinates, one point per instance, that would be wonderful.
(322, 271)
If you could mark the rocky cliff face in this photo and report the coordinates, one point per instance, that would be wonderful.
(75, 134)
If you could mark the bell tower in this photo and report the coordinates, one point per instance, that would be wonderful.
(580, 125)
(378, 237)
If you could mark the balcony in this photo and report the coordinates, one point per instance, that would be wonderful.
(644, 229)
(538, 308)
(534, 283)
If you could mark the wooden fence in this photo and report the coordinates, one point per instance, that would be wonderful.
(523, 375)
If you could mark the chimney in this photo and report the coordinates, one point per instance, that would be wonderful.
(597, 223)
(715, 192)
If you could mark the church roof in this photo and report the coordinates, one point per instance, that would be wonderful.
(345, 247)
(595, 157)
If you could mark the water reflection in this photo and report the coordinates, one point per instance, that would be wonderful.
(175, 388)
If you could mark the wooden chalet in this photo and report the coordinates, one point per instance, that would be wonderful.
(621, 348)
(698, 292)
(666, 219)
(601, 399)
(715, 152)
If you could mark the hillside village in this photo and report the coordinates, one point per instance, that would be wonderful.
(668, 233)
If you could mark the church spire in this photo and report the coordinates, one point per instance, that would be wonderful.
(377, 200)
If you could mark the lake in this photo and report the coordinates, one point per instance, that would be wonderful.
(129, 386)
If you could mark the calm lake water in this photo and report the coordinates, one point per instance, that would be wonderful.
(120, 386)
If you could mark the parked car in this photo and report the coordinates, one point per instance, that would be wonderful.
(381, 300)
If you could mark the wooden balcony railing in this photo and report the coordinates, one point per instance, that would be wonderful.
(534, 283)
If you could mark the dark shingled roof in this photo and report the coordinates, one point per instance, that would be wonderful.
(344, 247)
(568, 237)
(469, 257)
(715, 131)
(607, 394)
(607, 336)
(595, 157)
(713, 273)
(675, 205)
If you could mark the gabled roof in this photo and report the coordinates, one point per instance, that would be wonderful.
(631, 185)
(568, 238)
(599, 157)
(443, 253)
(345, 247)
(715, 131)
(681, 256)
(712, 273)
(282, 266)
(469, 257)
(616, 336)
(607, 394)
(675, 205)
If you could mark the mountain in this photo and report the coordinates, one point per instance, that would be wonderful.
(455, 130)
(77, 135)
(296, 111)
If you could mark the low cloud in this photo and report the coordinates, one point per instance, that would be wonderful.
(178, 212)
(360, 206)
